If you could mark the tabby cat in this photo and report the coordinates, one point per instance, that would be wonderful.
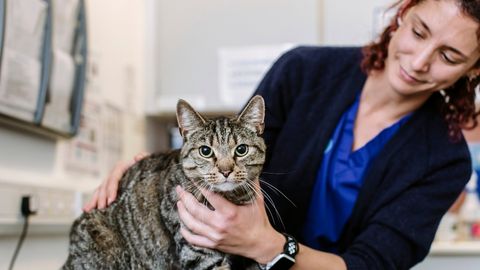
(140, 230)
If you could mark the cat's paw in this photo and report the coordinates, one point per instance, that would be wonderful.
(224, 266)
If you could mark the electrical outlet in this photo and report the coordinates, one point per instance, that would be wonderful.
(55, 208)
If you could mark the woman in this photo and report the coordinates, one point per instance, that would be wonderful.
(367, 148)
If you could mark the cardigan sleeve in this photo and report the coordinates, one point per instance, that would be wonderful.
(399, 235)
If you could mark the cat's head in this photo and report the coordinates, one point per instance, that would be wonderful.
(224, 154)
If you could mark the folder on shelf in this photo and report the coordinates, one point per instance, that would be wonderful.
(43, 64)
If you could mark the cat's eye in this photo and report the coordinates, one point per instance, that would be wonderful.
(205, 151)
(241, 150)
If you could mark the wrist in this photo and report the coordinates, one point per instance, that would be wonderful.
(286, 259)
(269, 248)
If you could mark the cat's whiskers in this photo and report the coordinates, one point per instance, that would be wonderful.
(252, 196)
(277, 213)
(270, 200)
(253, 188)
(204, 201)
(258, 192)
(190, 187)
(249, 191)
(198, 195)
(275, 173)
(276, 190)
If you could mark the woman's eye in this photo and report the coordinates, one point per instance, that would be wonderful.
(241, 150)
(205, 151)
(416, 33)
(448, 59)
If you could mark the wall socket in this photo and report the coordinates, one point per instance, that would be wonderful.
(56, 208)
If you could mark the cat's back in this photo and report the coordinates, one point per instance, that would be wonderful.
(131, 227)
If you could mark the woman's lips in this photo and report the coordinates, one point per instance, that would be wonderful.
(409, 78)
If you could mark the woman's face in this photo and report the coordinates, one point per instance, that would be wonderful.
(433, 47)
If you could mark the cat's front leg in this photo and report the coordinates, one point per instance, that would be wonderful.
(224, 266)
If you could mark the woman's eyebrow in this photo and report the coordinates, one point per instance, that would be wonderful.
(419, 20)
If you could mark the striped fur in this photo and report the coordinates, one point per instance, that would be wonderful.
(140, 230)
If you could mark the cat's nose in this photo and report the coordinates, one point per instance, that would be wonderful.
(226, 173)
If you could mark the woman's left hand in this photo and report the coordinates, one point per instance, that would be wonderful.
(243, 230)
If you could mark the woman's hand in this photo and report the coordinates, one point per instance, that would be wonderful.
(243, 230)
(106, 193)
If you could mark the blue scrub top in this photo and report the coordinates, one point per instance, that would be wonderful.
(339, 180)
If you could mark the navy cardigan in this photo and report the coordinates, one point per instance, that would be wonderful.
(408, 187)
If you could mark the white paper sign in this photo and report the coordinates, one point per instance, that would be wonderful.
(240, 69)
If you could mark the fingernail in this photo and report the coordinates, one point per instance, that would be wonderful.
(178, 189)
(110, 200)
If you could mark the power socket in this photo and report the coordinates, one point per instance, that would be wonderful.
(51, 210)
(28, 206)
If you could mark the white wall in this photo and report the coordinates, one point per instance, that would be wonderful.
(351, 22)
(117, 41)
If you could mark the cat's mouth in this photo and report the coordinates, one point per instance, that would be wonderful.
(235, 192)
(225, 186)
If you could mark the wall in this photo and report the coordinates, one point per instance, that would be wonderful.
(352, 22)
(116, 30)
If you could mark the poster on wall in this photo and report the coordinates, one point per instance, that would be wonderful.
(241, 69)
(21, 57)
(84, 150)
(98, 144)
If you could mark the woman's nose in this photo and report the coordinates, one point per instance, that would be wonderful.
(422, 60)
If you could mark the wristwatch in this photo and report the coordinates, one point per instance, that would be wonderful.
(286, 259)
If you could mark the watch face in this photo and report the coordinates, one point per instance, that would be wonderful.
(282, 262)
(291, 248)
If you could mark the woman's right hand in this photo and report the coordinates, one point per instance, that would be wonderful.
(106, 193)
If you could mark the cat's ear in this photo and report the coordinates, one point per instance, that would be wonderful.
(253, 114)
(188, 119)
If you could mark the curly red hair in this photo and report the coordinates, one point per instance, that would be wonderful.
(458, 104)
